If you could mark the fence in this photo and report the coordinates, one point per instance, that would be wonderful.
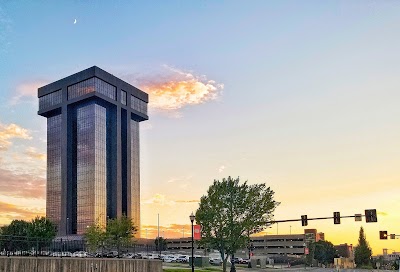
(47, 264)
(63, 247)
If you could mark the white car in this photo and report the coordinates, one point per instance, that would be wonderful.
(215, 261)
(79, 254)
(182, 259)
(170, 259)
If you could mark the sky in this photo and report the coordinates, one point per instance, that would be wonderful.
(300, 95)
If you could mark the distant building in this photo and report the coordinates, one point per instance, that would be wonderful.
(310, 236)
(320, 236)
(390, 256)
(92, 149)
(271, 245)
(345, 250)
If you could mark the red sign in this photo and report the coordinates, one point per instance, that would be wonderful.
(306, 251)
(196, 232)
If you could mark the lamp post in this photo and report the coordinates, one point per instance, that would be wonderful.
(192, 217)
(305, 256)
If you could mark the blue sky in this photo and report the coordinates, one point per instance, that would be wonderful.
(301, 95)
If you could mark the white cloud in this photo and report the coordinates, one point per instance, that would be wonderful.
(27, 91)
(33, 153)
(221, 168)
(8, 132)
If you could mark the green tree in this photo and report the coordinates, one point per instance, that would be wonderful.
(230, 211)
(324, 252)
(41, 231)
(96, 237)
(15, 236)
(42, 228)
(363, 252)
(161, 243)
(120, 231)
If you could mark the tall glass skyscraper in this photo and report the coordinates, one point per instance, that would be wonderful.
(92, 149)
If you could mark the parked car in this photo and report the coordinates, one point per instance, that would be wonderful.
(79, 254)
(182, 259)
(236, 260)
(168, 258)
(245, 261)
(215, 261)
(112, 254)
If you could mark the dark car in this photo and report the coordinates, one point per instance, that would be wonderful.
(236, 260)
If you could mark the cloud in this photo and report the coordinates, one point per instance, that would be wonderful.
(27, 91)
(8, 132)
(188, 201)
(159, 199)
(221, 168)
(175, 89)
(33, 153)
(21, 185)
(168, 231)
(162, 200)
(11, 212)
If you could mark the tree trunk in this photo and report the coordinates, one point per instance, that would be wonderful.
(224, 263)
(233, 268)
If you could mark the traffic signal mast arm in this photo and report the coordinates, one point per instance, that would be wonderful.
(308, 219)
(370, 216)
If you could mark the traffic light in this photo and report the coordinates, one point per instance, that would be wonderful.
(336, 217)
(383, 235)
(392, 236)
(304, 220)
(370, 216)
(358, 217)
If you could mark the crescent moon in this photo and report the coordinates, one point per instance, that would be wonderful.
(75, 21)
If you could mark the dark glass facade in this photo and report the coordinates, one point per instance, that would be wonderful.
(90, 85)
(138, 105)
(53, 192)
(93, 166)
(50, 100)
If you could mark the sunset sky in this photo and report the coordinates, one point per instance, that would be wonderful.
(301, 95)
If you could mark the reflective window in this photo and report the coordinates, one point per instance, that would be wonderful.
(53, 191)
(90, 85)
(106, 89)
(50, 99)
(123, 97)
(91, 166)
(135, 173)
(138, 105)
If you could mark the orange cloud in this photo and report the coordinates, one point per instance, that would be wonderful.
(175, 89)
(21, 185)
(11, 212)
(169, 231)
(9, 132)
(33, 153)
(162, 200)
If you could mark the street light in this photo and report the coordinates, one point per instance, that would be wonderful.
(192, 217)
